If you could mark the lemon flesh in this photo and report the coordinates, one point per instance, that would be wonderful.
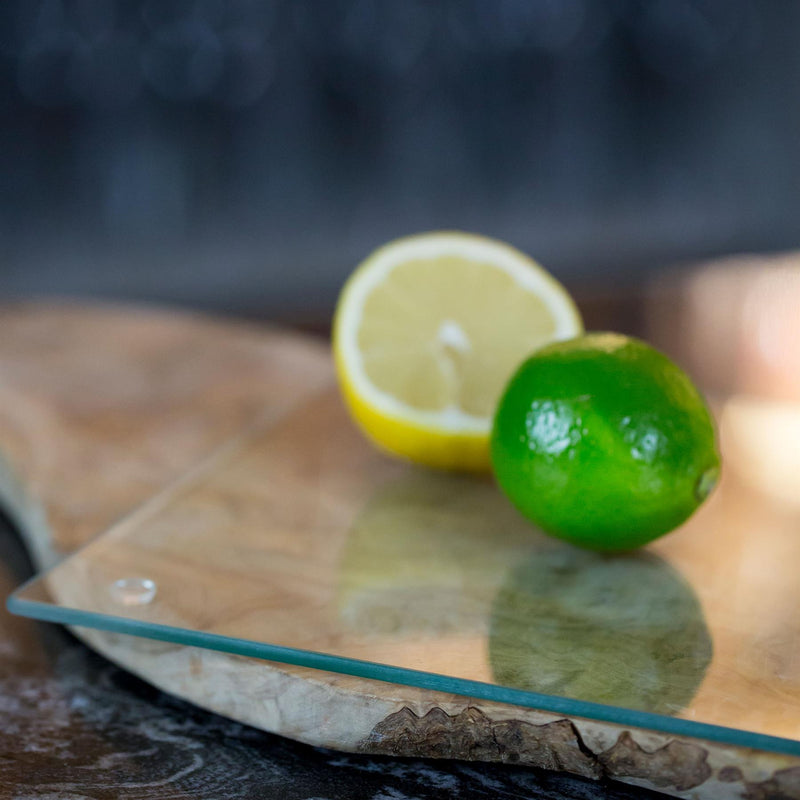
(604, 442)
(426, 334)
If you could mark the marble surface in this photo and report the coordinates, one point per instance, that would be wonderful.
(75, 726)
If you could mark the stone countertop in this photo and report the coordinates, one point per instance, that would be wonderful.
(73, 726)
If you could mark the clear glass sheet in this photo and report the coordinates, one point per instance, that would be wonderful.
(302, 544)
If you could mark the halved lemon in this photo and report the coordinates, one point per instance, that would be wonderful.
(427, 332)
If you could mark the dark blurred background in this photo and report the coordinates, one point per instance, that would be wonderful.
(244, 156)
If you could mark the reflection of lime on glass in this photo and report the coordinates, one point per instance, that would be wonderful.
(622, 630)
(427, 332)
(603, 441)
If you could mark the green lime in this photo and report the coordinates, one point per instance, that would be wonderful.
(604, 442)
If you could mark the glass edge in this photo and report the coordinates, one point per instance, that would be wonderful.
(371, 670)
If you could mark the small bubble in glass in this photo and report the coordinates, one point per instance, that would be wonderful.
(133, 591)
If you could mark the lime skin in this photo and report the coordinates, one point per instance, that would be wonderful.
(604, 442)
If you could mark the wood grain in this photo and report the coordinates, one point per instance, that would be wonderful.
(102, 407)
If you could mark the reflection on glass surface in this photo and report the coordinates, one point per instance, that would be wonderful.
(623, 630)
(448, 559)
(428, 553)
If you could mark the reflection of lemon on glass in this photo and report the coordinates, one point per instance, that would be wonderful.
(427, 555)
(622, 630)
(426, 334)
(604, 442)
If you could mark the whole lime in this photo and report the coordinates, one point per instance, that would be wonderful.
(604, 442)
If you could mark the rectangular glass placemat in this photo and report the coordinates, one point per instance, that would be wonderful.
(302, 544)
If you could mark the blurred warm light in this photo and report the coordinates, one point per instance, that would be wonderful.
(761, 441)
(734, 324)
(769, 343)
(713, 300)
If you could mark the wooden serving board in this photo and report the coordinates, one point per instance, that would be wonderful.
(102, 407)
